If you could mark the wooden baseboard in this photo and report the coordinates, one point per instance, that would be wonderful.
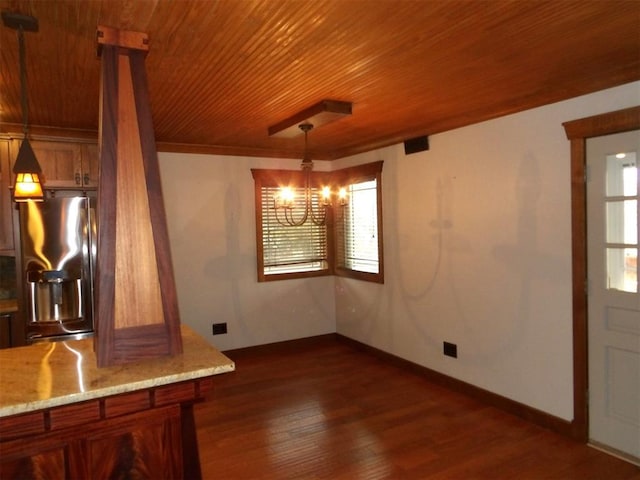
(533, 415)
(518, 409)
(286, 346)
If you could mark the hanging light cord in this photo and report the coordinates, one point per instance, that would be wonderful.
(23, 81)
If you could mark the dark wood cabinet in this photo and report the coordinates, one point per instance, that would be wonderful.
(151, 444)
(6, 323)
(142, 434)
(6, 204)
(39, 459)
(143, 445)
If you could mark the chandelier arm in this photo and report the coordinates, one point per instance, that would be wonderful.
(276, 209)
(302, 220)
(284, 224)
(317, 219)
(288, 216)
(320, 220)
(288, 212)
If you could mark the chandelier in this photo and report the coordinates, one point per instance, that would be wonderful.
(27, 169)
(317, 202)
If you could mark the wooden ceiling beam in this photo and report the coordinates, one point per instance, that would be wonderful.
(321, 113)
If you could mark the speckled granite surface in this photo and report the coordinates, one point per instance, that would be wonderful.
(50, 374)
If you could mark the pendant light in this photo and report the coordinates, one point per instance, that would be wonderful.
(285, 201)
(26, 168)
(315, 205)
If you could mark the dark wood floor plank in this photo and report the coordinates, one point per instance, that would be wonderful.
(323, 410)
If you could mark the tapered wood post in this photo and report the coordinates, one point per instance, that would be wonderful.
(135, 302)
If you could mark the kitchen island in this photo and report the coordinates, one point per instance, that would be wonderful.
(63, 417)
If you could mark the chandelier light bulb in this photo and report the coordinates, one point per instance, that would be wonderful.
(326, 195)
(287, 196)
(342, 196)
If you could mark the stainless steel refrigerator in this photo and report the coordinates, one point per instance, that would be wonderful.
(58, 251)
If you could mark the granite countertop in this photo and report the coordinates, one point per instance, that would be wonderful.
(8, 305)
(46, 374)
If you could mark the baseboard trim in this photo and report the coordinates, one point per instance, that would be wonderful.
(518, 409)
(284, 346)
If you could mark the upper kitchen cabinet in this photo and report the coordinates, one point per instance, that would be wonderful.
(6, 205)
(90, 164)
(67, 164)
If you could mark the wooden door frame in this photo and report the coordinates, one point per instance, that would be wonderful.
(578, 131)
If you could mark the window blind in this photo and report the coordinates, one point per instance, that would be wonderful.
(357, 248)
(288, 249)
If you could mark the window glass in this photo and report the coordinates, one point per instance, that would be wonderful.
(622, 268)
(361, 228)
(622, 175)
(621, 205)
(622, 221)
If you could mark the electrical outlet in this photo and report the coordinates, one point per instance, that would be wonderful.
(450, 349)
(219, 328)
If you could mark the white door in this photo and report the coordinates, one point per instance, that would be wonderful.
(613, 195)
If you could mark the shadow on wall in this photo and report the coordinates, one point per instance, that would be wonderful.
(445, 243)
(259, 312)
(234, 266)
(432, 265)
(525, 258)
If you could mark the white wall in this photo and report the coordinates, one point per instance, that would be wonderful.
(478, 253)
(210, 214)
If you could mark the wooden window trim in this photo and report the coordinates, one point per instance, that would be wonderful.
(357, 174)
(277, 178)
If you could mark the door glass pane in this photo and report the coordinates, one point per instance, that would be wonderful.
(622, 175)
(622, 222)
(622, 268)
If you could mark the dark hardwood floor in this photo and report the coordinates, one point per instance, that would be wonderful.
(323, 410)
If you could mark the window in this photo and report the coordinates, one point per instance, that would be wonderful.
(285, 251)
(353, 230)
(358, 226)
(291, 249)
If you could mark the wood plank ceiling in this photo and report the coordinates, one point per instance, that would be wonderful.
(221, 72)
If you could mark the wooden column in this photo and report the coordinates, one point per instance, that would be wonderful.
(135, 302)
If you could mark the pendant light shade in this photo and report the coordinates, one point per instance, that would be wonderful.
(26, 167)
(27, 170)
